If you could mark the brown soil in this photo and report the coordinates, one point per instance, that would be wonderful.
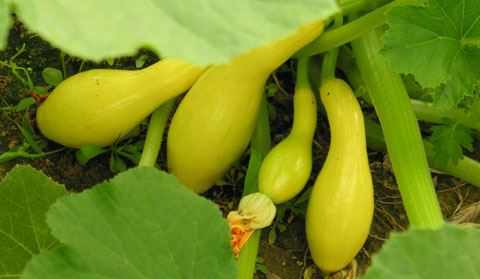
(287, 257)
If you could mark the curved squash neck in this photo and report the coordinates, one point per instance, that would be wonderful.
(346, 123)
(265, 59)
(304, 114)
(161, 73)
(346, 132)
(304, 104)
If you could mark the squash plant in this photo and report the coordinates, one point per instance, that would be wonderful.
(132, 207)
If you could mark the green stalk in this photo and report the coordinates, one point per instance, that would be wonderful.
(350, 31)
(153, 141)
(248, 256)
(467, 168)
(259, 147)
(401, 131)
(330, 58)
(426, 111)
(350, 7)
(302, 72)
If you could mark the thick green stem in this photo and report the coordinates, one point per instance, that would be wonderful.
(259, 147)
(302, 72)
(153, 141)
(467, 169)
(350, 31)
(330, 58)
(426, 111)
(401, 131)
(248, 256)
(350, 7)
(328, 65)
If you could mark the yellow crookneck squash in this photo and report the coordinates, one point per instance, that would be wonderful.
(340, 208)
(286, 168)
(214, 122)
(100, 106)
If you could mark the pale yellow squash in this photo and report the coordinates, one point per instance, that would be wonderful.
(214, 122)
(340, 208)
(101, 106)
(286, 168)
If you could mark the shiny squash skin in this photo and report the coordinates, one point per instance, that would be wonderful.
(340, 208)
(286, 168)
(214, 122)
(100, 106)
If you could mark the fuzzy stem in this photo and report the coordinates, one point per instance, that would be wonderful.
(401, 131)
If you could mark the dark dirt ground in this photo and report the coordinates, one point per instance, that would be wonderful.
(287, 257)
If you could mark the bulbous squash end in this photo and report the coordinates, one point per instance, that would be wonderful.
(193, 182)
(285, 170)
(48, 126)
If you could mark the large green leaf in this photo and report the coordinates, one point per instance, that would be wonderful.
(438, 43)
(200, 31)
(25, 196)
(5, 22)
(450, 252)
(141, 224)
